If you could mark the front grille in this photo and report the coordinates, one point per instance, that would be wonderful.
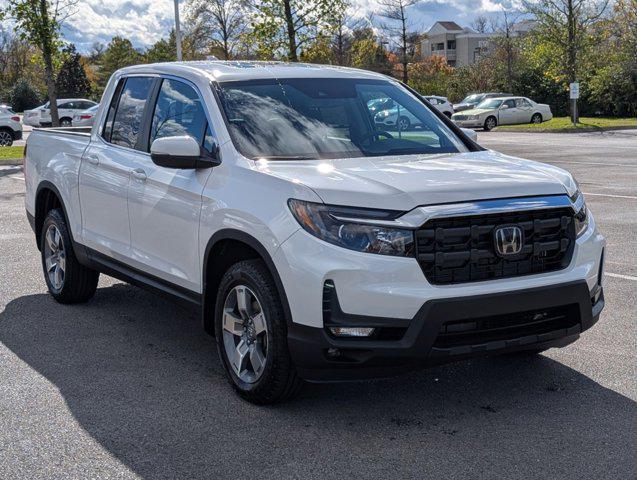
(460, 117)
(462, 249)
(506, 327)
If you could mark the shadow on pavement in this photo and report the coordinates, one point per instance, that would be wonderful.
(143, 379)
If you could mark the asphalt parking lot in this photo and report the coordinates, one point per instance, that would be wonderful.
(129, 386)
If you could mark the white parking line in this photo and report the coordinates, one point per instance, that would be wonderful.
(617, 275)
(610, 195)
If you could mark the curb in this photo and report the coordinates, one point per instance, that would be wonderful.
(10, 161)
(569, 130)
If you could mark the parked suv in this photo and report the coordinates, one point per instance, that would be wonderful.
(315, 245)
(10, 126)
(67, 108)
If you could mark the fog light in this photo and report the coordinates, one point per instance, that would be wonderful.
(351, 331)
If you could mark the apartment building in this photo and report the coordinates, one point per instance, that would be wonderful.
(460, 46)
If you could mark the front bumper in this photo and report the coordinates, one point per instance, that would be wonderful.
(469, 123)
(424, 339)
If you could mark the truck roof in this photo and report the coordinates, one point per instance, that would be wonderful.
(220, 70)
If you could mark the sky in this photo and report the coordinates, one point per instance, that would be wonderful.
(144, 22)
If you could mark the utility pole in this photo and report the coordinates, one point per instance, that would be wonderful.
(177, 31)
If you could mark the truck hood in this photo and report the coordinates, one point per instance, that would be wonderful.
(404, 182)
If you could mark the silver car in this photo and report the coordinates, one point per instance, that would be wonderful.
(85, 118)
(503, 111)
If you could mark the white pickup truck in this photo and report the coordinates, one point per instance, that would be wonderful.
(317, 246)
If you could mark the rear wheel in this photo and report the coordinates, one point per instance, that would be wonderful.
(66, 122)
(490, 123)
(536, 118)
(6, 138)
(68, 280)
(251, 333)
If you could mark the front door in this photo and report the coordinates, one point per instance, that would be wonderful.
(164, 203)
(105, 172)
(509, 114)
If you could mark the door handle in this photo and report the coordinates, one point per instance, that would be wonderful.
(93, 160)
(139, 174)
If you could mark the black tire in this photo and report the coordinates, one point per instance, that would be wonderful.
(490, 123)
(536, 118)
(66, 122)
(79, 283)
(6, 137)
(279, 381)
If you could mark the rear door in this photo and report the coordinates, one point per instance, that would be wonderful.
(525, 110)
(164, 203)
(107, 166)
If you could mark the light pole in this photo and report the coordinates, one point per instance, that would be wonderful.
(177, 31)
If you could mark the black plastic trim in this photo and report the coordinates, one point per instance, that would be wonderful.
(241, 236)
(309, 346)
(114, 268)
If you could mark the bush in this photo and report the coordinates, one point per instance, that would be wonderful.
(24, 97)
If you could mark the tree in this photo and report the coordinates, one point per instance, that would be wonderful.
(397, 26)
(287, 26)
(480, 24)
(23, 96)
(430, 76)
(220, 24)
(344, 25)
(506, 47)
(564, 24)
(368, 54)
(72, 80)
(119, 53)
(39, 21)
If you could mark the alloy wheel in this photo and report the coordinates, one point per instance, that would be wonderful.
(245, 334)
(6, 140)
(54, 257)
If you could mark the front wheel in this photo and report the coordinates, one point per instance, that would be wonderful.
(536, 118)
(490, 123)
(67, 279)
(251, 333)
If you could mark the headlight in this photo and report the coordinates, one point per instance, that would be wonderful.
(472, 117)
(338, 225)
(581, 215)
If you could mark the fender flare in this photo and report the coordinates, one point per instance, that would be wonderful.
(243, 237)
(78, 249)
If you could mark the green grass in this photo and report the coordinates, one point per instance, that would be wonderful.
(563, 124)
(11, 152)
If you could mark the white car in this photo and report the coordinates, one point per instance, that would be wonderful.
(492, 112)
(67, 108)
(441, 103)
(85, 118)
(10, 126)
(315, 245)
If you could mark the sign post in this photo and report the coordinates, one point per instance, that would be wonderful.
(574, 94)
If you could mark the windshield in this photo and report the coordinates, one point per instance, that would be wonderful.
(330, 118)
(474, 98)
(490, 103)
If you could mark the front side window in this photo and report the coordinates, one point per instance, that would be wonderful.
(330, 118)
(129, 112)
(510, 103)
(180, 111)
(490, 104)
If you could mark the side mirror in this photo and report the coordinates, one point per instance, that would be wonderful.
(504, 106)
(182, 152)
(472, 134)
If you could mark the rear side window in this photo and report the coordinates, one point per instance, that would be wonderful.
(128, 114)
(179, 111)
